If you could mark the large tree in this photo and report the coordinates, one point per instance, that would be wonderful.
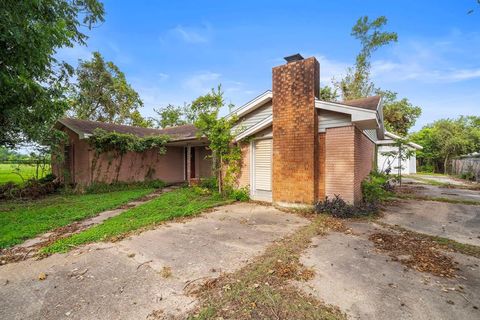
(357, 84)
(102, 93)
(399, 115)
(169, 116)
(32, 81)
(445, 139)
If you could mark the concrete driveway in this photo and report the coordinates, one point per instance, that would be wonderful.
(145, 276)
(458, 222)
(368, 284)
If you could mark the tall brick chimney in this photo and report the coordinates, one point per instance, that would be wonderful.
(295, 131)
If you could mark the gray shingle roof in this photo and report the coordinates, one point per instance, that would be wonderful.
(184, 132)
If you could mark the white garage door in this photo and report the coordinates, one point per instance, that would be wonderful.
(263, 165)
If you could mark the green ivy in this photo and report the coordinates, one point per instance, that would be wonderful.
(104, 141)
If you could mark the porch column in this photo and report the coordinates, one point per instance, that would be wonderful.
(189, 158)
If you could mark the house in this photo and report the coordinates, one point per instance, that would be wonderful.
(296, 148)
(186, 156)
(387, 155)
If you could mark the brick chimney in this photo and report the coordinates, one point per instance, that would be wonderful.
(295, 86)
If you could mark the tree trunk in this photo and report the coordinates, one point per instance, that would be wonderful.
(445, 164)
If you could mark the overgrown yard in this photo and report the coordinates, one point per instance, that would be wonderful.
(23, 220)
(175, 204)
(15, 172)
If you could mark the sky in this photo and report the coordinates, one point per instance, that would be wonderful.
(173, 51)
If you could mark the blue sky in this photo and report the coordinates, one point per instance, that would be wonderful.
(174, 51)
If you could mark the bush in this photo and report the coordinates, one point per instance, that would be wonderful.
(468, 176)
(338, 208)
(376, 187)
(209, 183)
(241, 194)
(32, 189)
(120, 186)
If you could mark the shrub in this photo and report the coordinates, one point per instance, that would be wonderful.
(468, 176)
(32, 189)
(376, 187)
(240, 194)
(338, 208)
(99, 187)
(209, 183)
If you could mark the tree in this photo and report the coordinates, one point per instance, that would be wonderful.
(33, 82)
(328, 94)
(445, 139)
(169, 116)
(357, 83)
(401, 153)
(102, 93)
(399, 115)
(204, 110)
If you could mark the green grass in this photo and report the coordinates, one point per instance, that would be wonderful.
(182, 202)
(439, 199)
(24, 220)
(8, 172)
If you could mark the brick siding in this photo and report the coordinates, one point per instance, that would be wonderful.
(295, 132)
(364, 158)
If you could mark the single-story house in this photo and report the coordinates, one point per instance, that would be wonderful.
(387, 157)
(296, 148)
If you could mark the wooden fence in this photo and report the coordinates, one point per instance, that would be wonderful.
(467, 165)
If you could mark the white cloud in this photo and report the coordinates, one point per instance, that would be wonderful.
(189, 34)
(202, 82)
(163, 76)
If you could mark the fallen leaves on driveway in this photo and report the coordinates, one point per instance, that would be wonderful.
(419, 254)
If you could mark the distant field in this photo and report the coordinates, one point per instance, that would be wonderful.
(7, 172)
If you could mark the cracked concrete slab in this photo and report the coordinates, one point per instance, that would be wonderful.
(125, 280)
(367, 284)
(458, 222)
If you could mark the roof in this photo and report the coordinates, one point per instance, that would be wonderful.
(84, 128)
(369, 103)
(390, 137)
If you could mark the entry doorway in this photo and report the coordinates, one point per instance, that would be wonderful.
(262, 169)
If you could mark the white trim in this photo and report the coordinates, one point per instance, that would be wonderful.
(265, 123)
(358, 114)
(394, 136)
(252, 104)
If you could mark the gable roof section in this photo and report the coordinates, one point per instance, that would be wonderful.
(85, 128)
(369, 103)
(390, 137)
(253, 104)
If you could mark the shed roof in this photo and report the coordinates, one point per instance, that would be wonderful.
(84, 128)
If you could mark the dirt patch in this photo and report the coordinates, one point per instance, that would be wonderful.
(416, 253)
(262, 289)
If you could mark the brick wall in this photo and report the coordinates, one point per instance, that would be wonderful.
(340, 162)
(321, 166)
(295, 132)
(348, 160)
(244, 176)
(364, 158)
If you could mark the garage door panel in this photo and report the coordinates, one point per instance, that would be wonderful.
(263, 165)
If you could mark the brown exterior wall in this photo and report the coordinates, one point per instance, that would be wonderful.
(134, 166)
(295, 132)
(244, 176)
(340, 162)
(321, 167)
(349, 159)
(364, 161)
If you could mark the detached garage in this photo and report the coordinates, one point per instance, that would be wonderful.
(385, 162)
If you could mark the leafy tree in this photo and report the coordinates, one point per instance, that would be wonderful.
(400, 154)
(204, 111)
(357, 83)
(102, 93)
(169, 116)
(33, 82)
(445, 139)
(399, 115)
(328, 94)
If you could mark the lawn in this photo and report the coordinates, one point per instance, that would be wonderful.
(23, 220)
(182, 202)
(8, 172)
